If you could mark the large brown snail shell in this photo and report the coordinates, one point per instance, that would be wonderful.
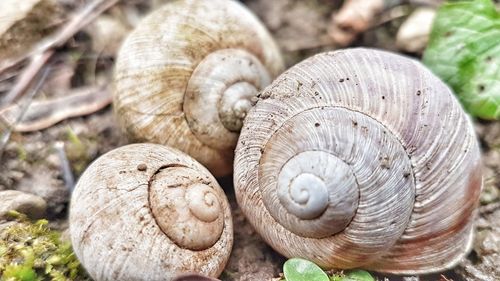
(149, 212)
(186, 77)
(360, 158)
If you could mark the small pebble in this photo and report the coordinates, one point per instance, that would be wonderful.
(142, 167)
(31, 205)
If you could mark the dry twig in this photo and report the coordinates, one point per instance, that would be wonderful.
(4, 138)
(69, 179)
(23, 82)
(43, 51)
(43, 114)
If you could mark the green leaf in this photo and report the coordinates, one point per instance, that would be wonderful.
(303, 270)
(464, 51)
(358, 275)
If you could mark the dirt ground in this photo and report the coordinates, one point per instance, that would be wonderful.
(31, 162)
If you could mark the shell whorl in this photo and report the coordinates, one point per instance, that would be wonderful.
(388, 145)
(219, 95)
(186, 208)
(188, 74)
(146, 211)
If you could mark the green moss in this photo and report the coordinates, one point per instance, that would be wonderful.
(30, 251)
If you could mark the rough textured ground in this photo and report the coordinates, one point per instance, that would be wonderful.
(31, 164)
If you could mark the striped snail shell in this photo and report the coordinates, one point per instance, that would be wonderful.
(149, 212)
(360, 158)
(186, 77)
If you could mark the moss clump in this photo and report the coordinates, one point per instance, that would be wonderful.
(31, 251)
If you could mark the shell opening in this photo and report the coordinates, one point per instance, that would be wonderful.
(186, 207)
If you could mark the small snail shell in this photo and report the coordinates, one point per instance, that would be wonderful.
(149, 212)
(360, 158)
(187, 75)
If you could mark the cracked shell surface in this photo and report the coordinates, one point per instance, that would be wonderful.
(360, 158)
(187, 76)
(149, 212)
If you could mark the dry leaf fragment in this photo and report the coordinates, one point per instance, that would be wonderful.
(43, 114)
(107, 34)
(353, 18)
(25, 22)
(414, 32)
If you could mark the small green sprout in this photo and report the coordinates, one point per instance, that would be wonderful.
(353, 275)
(303, 270)
(77, 152)
(297, 269)
(21, 153)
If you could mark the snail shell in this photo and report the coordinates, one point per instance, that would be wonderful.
(360, 158)
(187, 75)
(149, 212)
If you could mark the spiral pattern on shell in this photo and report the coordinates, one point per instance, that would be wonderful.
(188, 74)
(149, 212)
(360, 158)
